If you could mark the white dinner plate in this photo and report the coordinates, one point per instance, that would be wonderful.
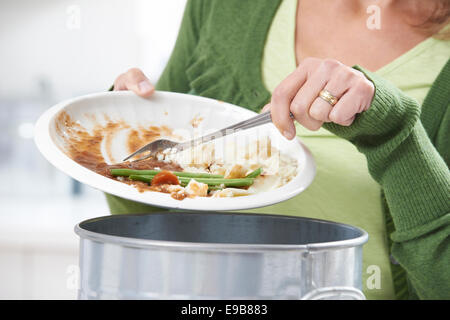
(173, 110)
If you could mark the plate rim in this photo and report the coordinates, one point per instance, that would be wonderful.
(53, 154)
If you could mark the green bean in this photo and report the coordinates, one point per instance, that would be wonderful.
(210, 188)
(244, 182)
(148, 179)
(129, 172)
(254, 173)
(142, 178)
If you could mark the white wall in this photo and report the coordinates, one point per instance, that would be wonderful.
(80, 46)
(51, 50)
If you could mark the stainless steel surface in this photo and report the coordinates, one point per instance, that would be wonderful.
(162, 144)
(187, 255)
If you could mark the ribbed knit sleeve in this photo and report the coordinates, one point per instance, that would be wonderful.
(174, 77)
(415, 180)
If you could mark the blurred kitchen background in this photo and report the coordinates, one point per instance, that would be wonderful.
(51, 50)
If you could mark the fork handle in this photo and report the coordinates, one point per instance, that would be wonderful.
(258, 120)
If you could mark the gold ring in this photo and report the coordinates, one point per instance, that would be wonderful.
(328, 97)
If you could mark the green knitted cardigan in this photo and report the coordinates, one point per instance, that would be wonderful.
(218, 54)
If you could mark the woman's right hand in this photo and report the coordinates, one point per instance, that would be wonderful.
(136, 81)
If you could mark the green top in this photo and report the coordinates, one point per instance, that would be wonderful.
(278, 59)
(351, 194)
(405, 72)
(218, 54)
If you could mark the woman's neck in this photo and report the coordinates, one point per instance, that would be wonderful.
(411, 12)
(342, 29)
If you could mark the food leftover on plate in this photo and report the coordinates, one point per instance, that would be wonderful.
(233, 170)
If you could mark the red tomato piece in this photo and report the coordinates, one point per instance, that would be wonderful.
(164, 177)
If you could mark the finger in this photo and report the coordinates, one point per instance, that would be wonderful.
(349, 121)
(119, 83)
(305, 97)
(266, 108)
(356, 100)
(136, 81)
(336, 86)
(320, 109)
(281, 101)
(346, 108)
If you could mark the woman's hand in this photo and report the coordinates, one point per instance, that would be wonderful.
(136, 81)
(299, 94)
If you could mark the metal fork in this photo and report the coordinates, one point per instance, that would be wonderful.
(163, 144)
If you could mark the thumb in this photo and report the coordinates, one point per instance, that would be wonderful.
(139, 83)
(266, 108)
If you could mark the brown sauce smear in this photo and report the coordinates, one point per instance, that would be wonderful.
(195, 122)
(85, 148)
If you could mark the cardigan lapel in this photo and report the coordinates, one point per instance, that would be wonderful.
(227, 62)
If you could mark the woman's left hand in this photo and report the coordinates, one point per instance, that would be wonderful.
(299, 94)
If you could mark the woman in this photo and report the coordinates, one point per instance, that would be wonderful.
(387, 116)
